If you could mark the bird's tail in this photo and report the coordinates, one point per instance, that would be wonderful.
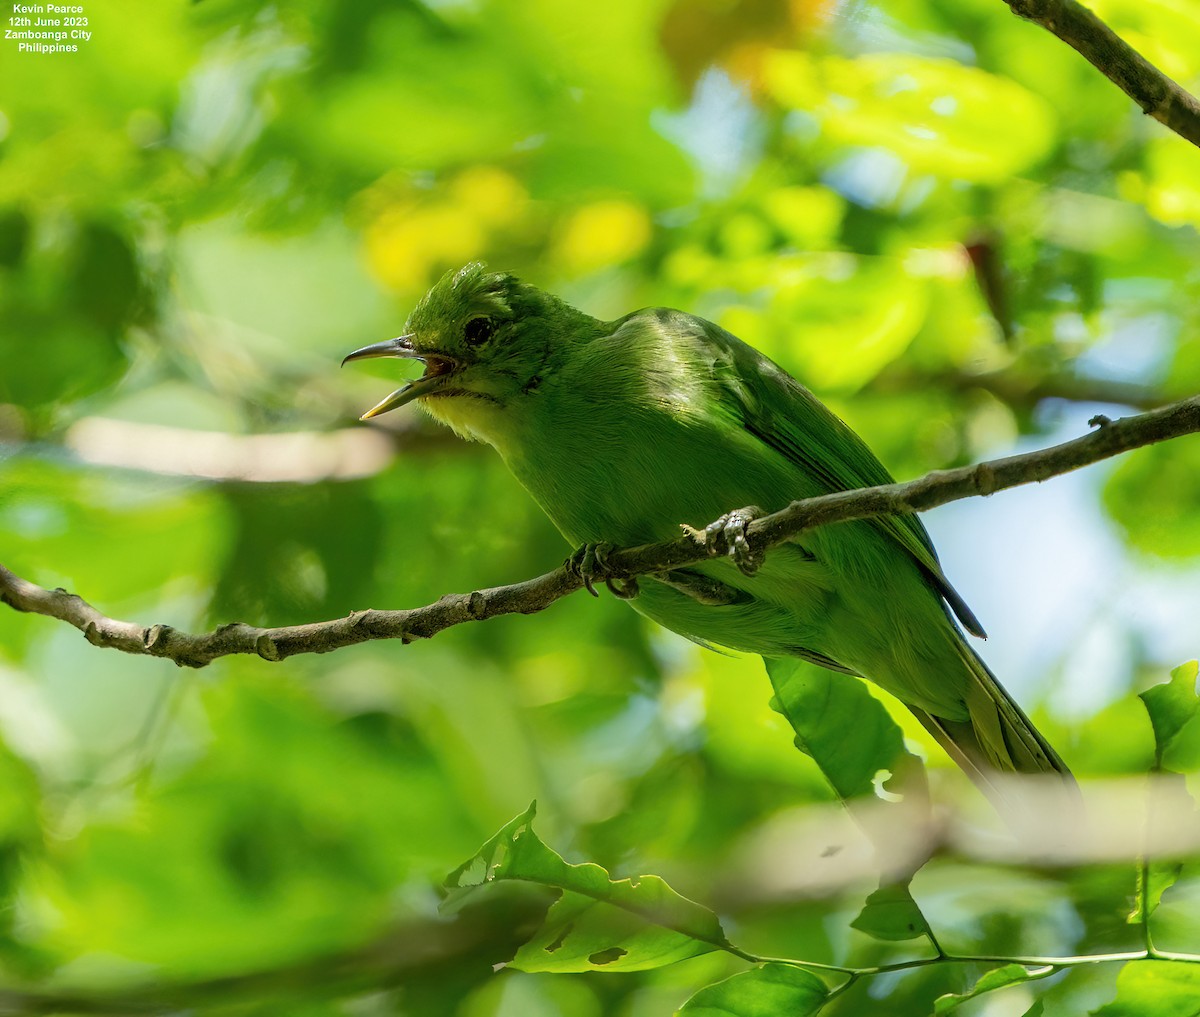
(997, 738)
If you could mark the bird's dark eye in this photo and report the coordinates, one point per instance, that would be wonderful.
(478, 330)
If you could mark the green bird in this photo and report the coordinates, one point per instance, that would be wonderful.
(624, 430)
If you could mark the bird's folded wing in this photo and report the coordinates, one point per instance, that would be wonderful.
(785, 416)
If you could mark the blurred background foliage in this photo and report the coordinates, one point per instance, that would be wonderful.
(956, 231)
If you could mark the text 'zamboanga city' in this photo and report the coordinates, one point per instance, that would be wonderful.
(48, 28)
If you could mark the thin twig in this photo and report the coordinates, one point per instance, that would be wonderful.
(1109, 439)
(1158, 95)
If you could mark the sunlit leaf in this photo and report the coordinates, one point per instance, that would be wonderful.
(767, 991)
(581, 934)
(809, 216)
(1155, 989)
(1171, 193)
(832, 319)
(1166, 32)
(599, 924)
(935, 114)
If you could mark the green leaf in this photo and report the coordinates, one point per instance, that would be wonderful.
(582, 934)
(891, 914)
(1175, 716)
(1152, 495)
(14, 236)
(105, 275)
(839, 724)
(1153, 881)
(1036, 1010)
(997, 978)
(1155, 989)
(1174, 710)
(933, 113)
(599, 924)
(766, 991)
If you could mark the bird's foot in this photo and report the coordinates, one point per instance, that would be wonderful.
(728, 535)
(590, 562)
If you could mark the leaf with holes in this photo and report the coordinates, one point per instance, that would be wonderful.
(1152, 882)
(843, 728)
(598, 924)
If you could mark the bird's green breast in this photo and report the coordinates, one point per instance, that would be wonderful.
(634, 437)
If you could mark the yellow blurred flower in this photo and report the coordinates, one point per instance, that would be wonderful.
(410, 240)
(494, 197)
(603, 233)
(405, 242)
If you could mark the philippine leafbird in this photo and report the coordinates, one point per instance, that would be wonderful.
(624, 430)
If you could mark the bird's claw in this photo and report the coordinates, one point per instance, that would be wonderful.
(728, 534)
(590, 562)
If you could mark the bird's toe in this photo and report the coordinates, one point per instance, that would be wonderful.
(590, 562)
(728, 535)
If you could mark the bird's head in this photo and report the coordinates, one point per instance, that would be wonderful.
(486, 340)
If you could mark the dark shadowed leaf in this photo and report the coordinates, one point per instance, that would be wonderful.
(105, 275)
(839, 724)
(14, 236)
(891, 914)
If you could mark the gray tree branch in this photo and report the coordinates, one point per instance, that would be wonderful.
(1110, 438)
(1158, 95)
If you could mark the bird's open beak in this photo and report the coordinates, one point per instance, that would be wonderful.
(437, 368)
